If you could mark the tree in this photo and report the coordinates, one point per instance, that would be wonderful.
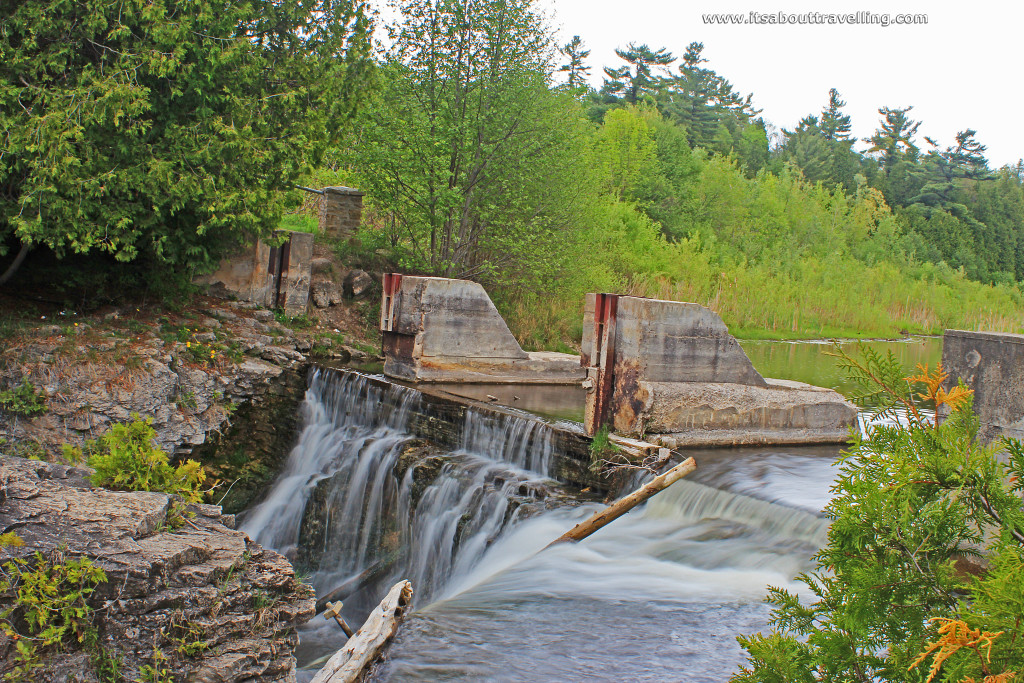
(702, 101)
(481, 162)
(640, 75)
(576, 68)
(167, 129)
(834, 124)
(895, 139)
(910, 500)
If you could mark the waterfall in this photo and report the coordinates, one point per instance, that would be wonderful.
(339, 510)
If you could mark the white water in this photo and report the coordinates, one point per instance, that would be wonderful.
(658, 595)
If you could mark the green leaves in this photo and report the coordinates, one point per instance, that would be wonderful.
(910, 504)
(148, 128)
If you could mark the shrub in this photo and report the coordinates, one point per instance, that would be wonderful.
(23, 400)
(50, 603)
(125, 459)
(911, 500)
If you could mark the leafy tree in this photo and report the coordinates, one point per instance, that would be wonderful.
(166, 130)
(895, 139)
(640, 75)
(482, 164)
(888, 599)
(576, 68)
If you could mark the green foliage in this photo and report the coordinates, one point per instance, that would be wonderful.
(157, 672)
(50, 608)
(910, 501)
(125, 459)
(125, 123)
(23, 400)
(490, 177)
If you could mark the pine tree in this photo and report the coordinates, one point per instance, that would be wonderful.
(639, 76)
(834, 124)
(576, 68)
(895, 139)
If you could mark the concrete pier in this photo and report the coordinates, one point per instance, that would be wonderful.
(664, 371)
(671, 373)
(272, 276)
(992, 364)
(441, 330)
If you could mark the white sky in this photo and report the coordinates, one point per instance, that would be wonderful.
(961, 70)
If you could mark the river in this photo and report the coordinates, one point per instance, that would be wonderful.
(658, 595)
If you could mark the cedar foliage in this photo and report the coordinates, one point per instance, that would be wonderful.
(910, 500)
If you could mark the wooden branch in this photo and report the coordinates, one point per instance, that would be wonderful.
(624, 505)
(349, 663)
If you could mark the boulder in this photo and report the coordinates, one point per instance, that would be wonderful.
(325, 293)
(358, 284)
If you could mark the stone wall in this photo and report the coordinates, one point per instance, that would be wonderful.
(992, 364)
(341, 212)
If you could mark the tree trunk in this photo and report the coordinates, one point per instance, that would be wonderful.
(348, 663)
(13, 268)
(624, 505)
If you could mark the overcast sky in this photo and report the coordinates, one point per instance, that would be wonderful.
(960, 70)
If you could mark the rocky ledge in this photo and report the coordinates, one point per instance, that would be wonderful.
(202, 600)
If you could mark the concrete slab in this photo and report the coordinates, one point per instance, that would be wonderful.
(992, 364)
(443, 330)
(672, 368)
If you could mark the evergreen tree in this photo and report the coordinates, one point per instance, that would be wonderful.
(895, 139)
(167, 131)
(576, 69)
(642, 74)
(834, 124)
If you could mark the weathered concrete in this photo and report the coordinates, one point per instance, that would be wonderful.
(992, 364)
(266, 275)
(341, 212)
(672, 368)
(711, 414)
(441, 330)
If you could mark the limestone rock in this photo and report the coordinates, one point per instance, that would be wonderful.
(204, 578)
(325, 293)
(358, 284)
(321, 266)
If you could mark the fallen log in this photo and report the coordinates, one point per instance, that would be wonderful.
(349, 663)
(624, 505)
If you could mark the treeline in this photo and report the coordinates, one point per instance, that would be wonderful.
(485, 155)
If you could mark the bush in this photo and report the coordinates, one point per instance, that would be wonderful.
(125, 459)
(23, 400)
(50, 605)
(889, 599)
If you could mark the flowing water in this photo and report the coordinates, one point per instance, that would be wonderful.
(659, 595)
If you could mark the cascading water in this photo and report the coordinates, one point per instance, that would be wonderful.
(660, 592)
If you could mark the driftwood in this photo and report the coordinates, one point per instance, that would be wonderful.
(349, 663)
(624, 505)
(334, 610)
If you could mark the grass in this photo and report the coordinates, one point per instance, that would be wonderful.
(815, 299)
(297, 222)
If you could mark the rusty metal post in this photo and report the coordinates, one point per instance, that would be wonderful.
(601, 373)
